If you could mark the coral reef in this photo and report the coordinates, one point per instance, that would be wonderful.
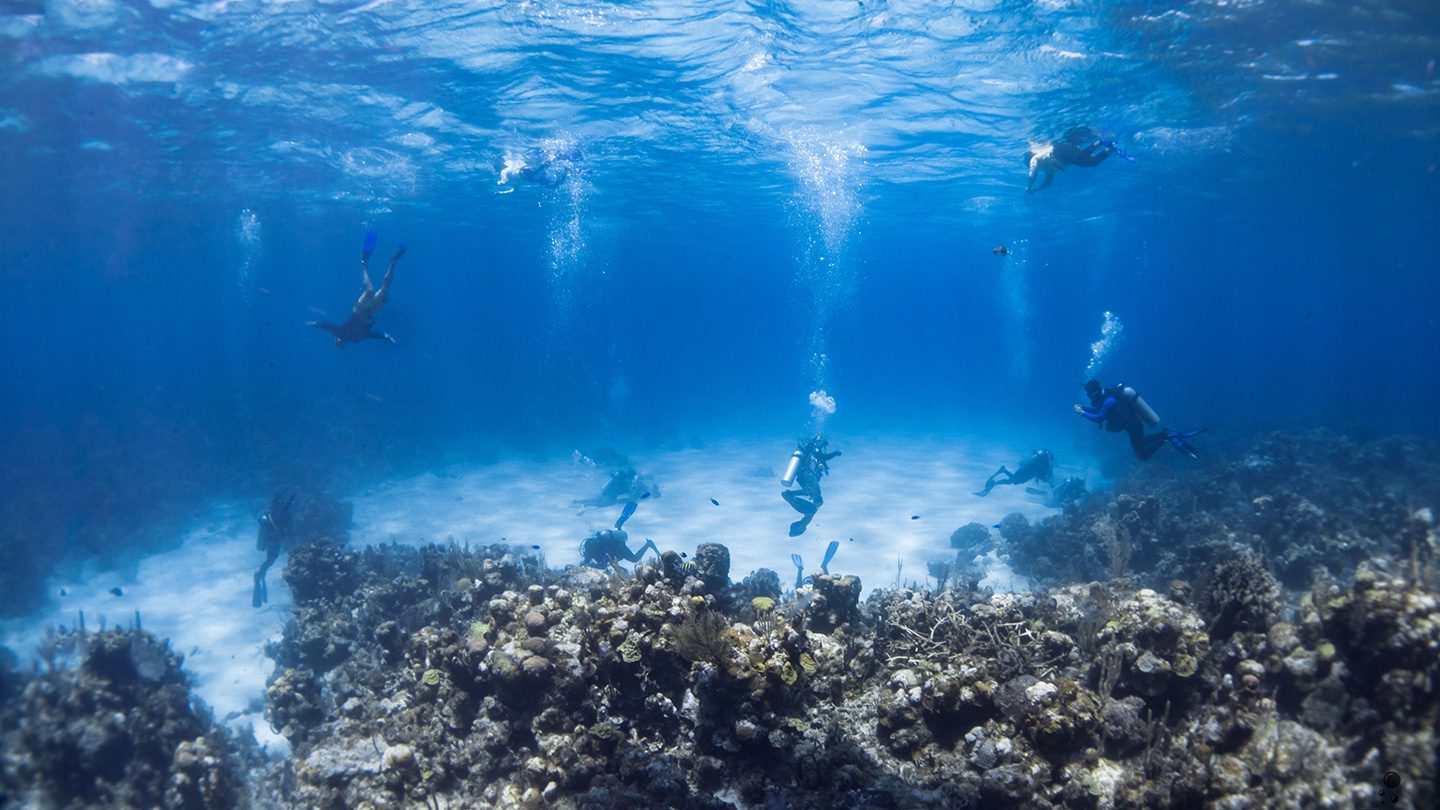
(117, 729)
(1308, 506)
(1170, 661)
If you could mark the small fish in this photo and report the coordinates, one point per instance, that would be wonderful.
(265, 290)
(536, 546)
(64, 592)
(996, 526)
(914, 517)
(1000, 250)
(116, 590)
(683, 554)
(375, 397)
(644, 495)
(712, 500)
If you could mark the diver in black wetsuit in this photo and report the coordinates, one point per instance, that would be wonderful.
(276, 525)
(600, 548)
(1038, 466)
(1080, 147)
(1118, 408)
(811, 462)
(361, 323)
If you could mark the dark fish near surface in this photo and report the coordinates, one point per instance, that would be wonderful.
(914, 517)
(116, 590)
(535, 546)
(1000, 250)
(712, 500)
(644, 495)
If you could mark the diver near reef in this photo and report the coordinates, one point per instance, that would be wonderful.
(607, 545)
(1119, 408)
(361, 323)
(1038, 466)
(807, 465)
(1080, 147)
(275, 526)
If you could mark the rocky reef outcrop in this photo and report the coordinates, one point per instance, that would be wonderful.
(116, 726)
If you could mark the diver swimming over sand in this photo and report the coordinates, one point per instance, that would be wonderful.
(625, 484)
(1038, 466)
(1119, 408)
(276, 526)
(1080, 147)
(360, 325)
(807, 465)
(607, 545)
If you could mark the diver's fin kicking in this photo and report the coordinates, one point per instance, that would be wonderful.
(1177, 441)
(261, 594)
(799, 570)
(370, 239)
(630, 507)
(829, 555)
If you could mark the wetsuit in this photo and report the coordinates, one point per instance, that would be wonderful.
(1079, 147)
(1038, 466)
(600, 548)
(274, 526)
(1116, 414)
(806, 500)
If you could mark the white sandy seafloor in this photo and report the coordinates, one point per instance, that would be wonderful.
(198, 595)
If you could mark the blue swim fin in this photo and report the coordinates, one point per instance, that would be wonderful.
(370, 239)
(1177, 441)
(799, 570)
(829, 555)
(400, 251)
(630, 507)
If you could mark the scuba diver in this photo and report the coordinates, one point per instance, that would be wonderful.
(1080, 147)
(1119, 408)
(275, 526)
(607, 545)
(807, 465)
(1038, 466)
(1069, 491)
(360, 325)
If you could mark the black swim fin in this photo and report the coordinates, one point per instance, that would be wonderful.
(630, 507)
(829, 555)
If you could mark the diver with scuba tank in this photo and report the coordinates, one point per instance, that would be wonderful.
(1119, 408)
(1038, 466)
(807, 465)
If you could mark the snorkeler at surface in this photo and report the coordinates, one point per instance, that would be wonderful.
(548, 166)
(1118, 408)
(1038, 466)
(808, 464)
(360, 325)
(1080, 147)
(275, 526)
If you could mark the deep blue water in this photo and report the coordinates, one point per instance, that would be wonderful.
(738, 187)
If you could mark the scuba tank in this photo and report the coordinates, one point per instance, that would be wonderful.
(792, 469)
(1141, 407)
